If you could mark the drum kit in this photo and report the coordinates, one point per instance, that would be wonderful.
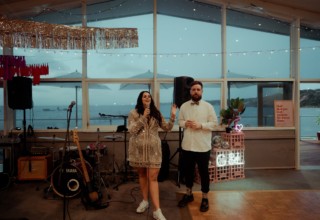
(67, 178)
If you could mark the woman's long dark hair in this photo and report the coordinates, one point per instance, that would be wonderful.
(154, 112)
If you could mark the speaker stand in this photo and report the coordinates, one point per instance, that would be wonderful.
(178, 150)
(25, 151)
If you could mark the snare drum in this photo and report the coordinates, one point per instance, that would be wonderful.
(72, 180)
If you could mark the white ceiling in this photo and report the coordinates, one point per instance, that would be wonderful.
(307, 10)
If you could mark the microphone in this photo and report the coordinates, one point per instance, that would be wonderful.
(71, 105)
(148, 107)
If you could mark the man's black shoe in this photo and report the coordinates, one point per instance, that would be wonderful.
(185, 200)
(204, 205)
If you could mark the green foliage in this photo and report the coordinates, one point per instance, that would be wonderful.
(318, 120)
(234, 110)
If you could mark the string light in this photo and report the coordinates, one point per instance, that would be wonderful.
(182, 55)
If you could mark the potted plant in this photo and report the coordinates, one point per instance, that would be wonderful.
(231, 115)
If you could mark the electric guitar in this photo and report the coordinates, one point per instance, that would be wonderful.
(92, 195)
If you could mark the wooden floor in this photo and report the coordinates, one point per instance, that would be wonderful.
(256, 205)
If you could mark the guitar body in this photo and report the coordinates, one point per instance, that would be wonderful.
(91, 195)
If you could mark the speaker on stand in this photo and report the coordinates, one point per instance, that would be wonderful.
(181, 94)
(182, 89)
(20, 97)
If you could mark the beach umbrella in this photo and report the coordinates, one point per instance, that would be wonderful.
(146, 75)
(76, 86)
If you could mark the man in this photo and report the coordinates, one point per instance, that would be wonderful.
(198, 119)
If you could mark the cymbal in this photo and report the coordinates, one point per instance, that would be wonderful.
(113, 137)
(52, 138)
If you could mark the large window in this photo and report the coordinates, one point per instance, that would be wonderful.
(184, 39)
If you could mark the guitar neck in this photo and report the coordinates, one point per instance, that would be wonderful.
(83, 164)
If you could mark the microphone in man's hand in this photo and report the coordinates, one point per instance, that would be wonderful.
(71, 105)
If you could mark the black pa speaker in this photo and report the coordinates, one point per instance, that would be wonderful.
(20, 93)
(182, 89)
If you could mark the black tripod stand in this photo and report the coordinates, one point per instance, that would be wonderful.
(178, 166)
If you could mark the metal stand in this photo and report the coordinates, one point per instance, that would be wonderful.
(178, 166)
(121, 128)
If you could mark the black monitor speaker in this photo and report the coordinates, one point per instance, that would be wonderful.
(20, 93)
(182, 89)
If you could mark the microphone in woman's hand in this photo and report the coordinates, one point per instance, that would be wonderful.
(148, 109)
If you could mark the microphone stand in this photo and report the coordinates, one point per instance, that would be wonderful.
(64, 161)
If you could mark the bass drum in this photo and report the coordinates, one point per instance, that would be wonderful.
(69, 183)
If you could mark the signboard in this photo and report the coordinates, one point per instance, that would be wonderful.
(283, 113)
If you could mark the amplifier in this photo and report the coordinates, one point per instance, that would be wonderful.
(39, 151)
(34, 167)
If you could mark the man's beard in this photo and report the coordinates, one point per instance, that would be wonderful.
(196, 98)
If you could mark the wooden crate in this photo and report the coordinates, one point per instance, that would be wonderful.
(34, 167)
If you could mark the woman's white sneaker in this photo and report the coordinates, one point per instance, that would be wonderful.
(144, 205)
(158, 215)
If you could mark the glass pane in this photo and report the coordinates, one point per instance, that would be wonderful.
(50, 104)
(125, 62)
(60, 62)
(309, 58)
(254, 42)
(212, 94)
(111, 106)
(189, 47)
(309, 109)
(259, 100)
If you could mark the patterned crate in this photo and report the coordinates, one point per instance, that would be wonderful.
(236, 162)
(235, 140)
(229, 164)
(237, 172)
(211, 174)
(222, 174)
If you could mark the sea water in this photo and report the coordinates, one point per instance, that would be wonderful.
(54, 117)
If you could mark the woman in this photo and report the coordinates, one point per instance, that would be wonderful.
(144, 151)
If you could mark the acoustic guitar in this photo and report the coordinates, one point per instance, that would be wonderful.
(92, 195)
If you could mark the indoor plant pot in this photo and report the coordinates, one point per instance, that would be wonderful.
(231, 115)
